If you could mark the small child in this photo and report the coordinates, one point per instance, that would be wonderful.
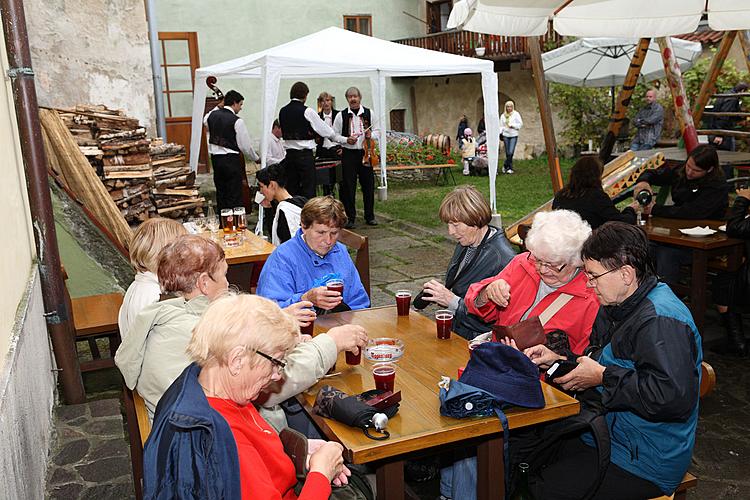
(468, 149)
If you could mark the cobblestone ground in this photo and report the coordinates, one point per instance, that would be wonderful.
(90, 457)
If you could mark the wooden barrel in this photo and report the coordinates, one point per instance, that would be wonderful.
(440, 142)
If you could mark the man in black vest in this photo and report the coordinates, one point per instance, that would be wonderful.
(227, 137)
(327, 149)
(354, 123)
(299, 125)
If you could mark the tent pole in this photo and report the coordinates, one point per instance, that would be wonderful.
(709, 84)
(745, 44)
(623, 100)
(676, 85)
(535, 51)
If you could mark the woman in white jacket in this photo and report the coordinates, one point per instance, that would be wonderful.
(510, 124)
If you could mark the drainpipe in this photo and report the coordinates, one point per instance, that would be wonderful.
(57, 315)
(153, 40)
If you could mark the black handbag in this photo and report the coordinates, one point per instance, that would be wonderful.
(352, 411)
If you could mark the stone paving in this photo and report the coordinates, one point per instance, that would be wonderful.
(90, 457)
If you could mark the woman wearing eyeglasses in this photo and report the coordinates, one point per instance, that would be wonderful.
(535, 279)
(194, 269)
(208, 440)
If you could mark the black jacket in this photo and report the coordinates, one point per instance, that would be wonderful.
(738, 226)
(697, 199)
(595, 207)
(491, 258)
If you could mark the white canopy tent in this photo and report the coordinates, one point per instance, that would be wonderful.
(337, 53)
(610, 18)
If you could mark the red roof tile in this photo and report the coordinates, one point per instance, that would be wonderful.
(703, 36)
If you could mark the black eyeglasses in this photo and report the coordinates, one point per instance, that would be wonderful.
(591, 278)
(540, 263)
(277, 363)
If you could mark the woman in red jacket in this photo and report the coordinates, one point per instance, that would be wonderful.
(535, 279)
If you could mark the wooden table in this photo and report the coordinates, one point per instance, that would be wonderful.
(242, 259)
(666, 231)
(418, 428)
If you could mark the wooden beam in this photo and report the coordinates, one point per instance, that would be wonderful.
(736, 114)
(725, 133)
(744, 36)
(623, 100)
(709, 84)
(548, 129)
(677, 87)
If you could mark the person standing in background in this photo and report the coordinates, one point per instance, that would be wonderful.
(276, 151)
(729, 104)
(354, 124)
(227, 137)
(510, 124)
(299, 124)
(648, 121)
(327, 149)
(463, 123)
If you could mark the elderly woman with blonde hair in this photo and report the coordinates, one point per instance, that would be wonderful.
(482, 250)
(148, 240)
(549, 272)
(208, 440)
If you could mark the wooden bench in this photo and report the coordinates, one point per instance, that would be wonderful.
(444, 169)
(708, 381)
(95, 317)
(139, 427)
(361, 245)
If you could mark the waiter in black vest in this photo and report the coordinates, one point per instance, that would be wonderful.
(227, 136)
(298, 126)
(354, 123)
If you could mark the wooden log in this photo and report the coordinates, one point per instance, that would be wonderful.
(131, 159)
(623, 100)
(127, 168)
(81, 178)
(180, 207)
(146, 174)
(677, 87)
(709, 84)
(546, 112)
(175, 192)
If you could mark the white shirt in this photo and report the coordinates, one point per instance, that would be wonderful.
(356, 127)
(319, 126)
(243, 139)
(510, 127)
(143, 291)
(276, 151)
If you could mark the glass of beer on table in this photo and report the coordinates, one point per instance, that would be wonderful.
(239, 218)
(403, 300)
(444, 322)
(227, 220)
(352, 358)
(336, 285)
(384, 375)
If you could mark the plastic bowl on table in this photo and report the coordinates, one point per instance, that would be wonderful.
(384, 349)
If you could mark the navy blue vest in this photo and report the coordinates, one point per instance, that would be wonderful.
(221, 129)
(346, 117)
(294, 125)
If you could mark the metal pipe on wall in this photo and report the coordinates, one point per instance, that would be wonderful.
(57, 315)
(153, 41)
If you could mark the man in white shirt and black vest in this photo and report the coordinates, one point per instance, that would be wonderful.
(227, 137)
(298, 127)
(354, 123)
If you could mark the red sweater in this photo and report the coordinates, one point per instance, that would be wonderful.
(266, 472)
(576, 318)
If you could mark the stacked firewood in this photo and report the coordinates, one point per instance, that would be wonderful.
(144, 178)
(174, 190)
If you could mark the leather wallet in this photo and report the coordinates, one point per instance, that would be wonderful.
(295, 446)
(526, 333)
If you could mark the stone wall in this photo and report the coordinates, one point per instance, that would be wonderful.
(27, 395)
(89, 51)
(442, 100)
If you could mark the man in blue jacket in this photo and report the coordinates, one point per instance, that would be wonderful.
(300, 268)
(644, 361)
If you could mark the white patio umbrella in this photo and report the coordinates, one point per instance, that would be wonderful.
(604, 62)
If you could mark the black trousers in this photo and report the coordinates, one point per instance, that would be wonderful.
(300, 172)
(328, 177)
(570, 476)
(228, 172)
(352, 169)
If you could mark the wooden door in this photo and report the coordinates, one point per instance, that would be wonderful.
(179, 60)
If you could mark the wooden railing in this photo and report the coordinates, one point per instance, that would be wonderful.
(466, 43)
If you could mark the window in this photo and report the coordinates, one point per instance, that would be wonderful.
(397, 120)
(179, 60)
(359, 24)
(438, 12)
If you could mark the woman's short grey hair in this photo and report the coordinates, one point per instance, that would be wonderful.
(558, 237)
(240, 319)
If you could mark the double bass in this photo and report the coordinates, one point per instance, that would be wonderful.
(218, 100)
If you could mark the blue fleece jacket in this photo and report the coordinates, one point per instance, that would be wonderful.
(293, 269)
